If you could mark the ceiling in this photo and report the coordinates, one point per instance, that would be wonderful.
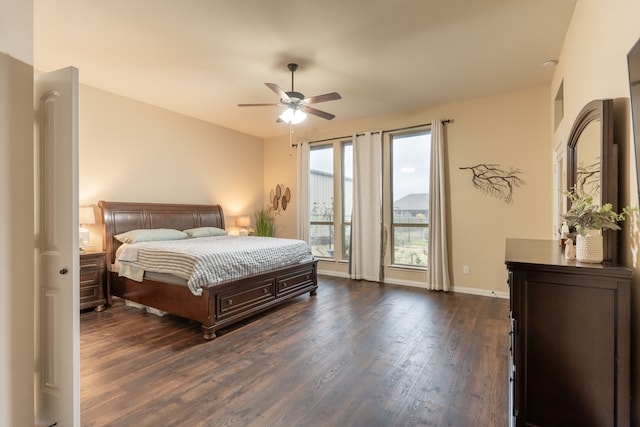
(203, 57)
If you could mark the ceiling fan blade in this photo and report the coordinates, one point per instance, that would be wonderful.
(282, 94)
(258, 105)
(317, 112)
(323, 98)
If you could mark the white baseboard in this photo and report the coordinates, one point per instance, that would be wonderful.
(482, 292)
(334, 273)
(460, 289)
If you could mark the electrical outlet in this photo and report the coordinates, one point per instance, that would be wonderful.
(465, 269)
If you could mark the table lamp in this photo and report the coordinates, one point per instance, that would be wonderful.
(86, 216)
(244, 222)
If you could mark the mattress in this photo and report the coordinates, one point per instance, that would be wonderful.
(209, 261)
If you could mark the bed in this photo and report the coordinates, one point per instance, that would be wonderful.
(219, 305)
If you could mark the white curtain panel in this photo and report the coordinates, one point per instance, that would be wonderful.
(439, 275)
(302, 193)
(366, 218)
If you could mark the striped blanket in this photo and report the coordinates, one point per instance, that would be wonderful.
(208, 261)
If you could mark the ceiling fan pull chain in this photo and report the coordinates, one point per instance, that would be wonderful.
(290, 139)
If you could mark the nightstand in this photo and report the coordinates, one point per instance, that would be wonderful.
(93, 281)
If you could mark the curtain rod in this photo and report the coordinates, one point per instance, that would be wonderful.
(383, 131)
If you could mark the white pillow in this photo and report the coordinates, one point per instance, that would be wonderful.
(205, 232)
(151, 234)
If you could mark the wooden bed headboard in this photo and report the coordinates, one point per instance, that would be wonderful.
(119, 217)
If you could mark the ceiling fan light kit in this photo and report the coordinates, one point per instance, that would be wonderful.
(296, 103)
(293, 116)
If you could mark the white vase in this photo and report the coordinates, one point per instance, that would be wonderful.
(589, 247)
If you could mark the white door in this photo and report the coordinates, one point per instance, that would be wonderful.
(57, 253)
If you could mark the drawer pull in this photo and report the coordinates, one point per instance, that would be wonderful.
(64, 271)
(229, 301)
(264, 290)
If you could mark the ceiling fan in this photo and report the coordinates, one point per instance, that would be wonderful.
(296, 103)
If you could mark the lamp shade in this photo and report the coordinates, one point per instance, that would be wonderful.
(243, 221)
(86, 215)
(293, 116)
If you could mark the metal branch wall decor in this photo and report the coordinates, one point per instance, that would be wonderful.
(496, 182)
(280, 198)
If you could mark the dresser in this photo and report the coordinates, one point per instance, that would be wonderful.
(569, 338)
(93, 281)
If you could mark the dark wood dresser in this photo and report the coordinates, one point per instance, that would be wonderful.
(93, 281)
(569, 355)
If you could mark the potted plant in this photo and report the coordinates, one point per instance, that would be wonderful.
(588, 220)
(264, 223)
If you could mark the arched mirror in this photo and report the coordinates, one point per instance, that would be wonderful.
(633, 61)
(592, 161)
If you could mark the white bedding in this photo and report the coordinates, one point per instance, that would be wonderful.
(208, 261)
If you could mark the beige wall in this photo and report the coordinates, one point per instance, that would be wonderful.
(16, 29)
(131, 151)
(16, 214)
(593, 66)
(511, 130)
(280, 168)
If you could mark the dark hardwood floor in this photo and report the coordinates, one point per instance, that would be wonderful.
(357, 354)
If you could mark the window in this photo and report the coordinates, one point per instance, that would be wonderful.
(410, 160)
(321, 201)
(406, 161)
(347, 197)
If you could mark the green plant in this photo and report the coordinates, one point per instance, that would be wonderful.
(264, 223)
(584, 215)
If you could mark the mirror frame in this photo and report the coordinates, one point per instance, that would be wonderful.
(602, 110)
(633, 65)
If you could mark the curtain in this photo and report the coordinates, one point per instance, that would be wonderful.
(302, 193)
(366, 218)
(439, 275)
